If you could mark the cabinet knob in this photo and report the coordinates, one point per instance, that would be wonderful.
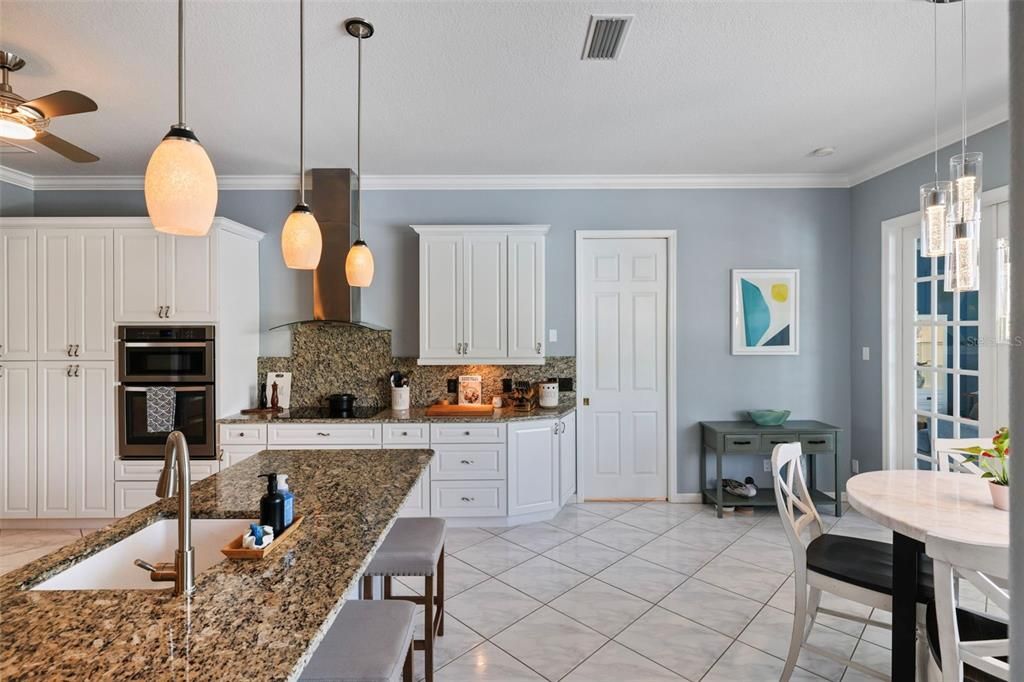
(241, 434)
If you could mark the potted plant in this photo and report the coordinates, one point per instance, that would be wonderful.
(995, 465)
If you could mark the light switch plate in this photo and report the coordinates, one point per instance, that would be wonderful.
(865, 353)
(767, 465)
(552, 335)
(855, 466)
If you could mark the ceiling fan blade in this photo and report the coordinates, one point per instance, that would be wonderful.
(62, 103)
(65, 148)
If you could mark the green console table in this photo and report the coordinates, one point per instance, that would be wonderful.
(747, 438)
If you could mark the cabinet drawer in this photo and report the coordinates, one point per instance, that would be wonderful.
(131, 496)
(327, 435)
(233, 454)
(242, 434)
(818, 442)
(750, 443)
(460, 461)
(768, 443)
(467, 498)
(406, 434)
(467, 433)
(149, 469)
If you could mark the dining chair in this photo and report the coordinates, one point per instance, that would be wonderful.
(852, 568)
(966, 644)
(948, 457)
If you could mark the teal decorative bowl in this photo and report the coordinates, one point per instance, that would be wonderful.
(769, 417)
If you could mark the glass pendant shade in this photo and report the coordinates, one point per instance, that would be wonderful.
(181, 186)
(359, 265)
(301, 240)
(1003, 283)
(15, 130)
(965, 172)
(962, 268)
(936, 198)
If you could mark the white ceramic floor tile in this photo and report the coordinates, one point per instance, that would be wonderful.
(873, 656)
(495, 555)
(615, 663)
(542, 578)
(675, 555)
(742, 578)
(553, 643)
(674, 642)
(600, 606)
(457, 640)
(576, 520)
(651, 520)
(642, 578)
(584, 555)
(607, 509)
(768, 555)
(878, 635)
(742, 662)
(702, 537)
(676, 510)
(784, 597)
(537, 537)
(490, 607)
(458, 539)
(769, 631)
(459, 576)
(486, 663)
(711, 606)
(620, 536)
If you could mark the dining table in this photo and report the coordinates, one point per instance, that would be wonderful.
(915, 504)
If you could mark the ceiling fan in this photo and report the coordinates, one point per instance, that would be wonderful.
(29, 120)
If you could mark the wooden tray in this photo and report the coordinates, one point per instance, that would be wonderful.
(460, 410)
(262, 410)
(234, 549)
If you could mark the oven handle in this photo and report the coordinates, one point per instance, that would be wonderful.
(166, 344)
(177, 389)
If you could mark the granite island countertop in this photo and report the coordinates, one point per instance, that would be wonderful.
(415, 414)
(247, 620)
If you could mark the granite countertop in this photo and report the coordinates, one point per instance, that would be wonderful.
(247, 620)
(415, 414)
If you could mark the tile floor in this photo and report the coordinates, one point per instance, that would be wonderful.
(618, 592)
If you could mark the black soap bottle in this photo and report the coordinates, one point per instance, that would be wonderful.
(272, 506)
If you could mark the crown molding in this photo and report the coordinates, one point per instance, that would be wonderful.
(15, 177)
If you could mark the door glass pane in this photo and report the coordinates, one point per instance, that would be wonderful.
(924, 299)
(969, 348)
(944, 303)
(945, 428)
(925, 383)
(925, 347)
(969, 306)
(968, 431)
(969, 396)
(924, 435)
(924, 265)
(944, 394)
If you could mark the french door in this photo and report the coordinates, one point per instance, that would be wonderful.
(953, 347)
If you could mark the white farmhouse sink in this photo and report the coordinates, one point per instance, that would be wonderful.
(113, 568)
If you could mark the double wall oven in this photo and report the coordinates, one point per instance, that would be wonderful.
(178, 359)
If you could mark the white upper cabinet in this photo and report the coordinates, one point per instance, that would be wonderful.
(17, 439)
(163, 277)
(18, 295)
(481, 294)
(75, 277)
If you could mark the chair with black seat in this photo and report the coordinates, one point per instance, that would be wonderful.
(966, 644)
(852, 568)
(368, 642)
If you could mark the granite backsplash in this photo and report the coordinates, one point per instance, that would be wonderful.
(330, 359)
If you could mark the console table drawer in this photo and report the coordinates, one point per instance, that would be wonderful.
(768, 443)
(742, 443)
(818, 442)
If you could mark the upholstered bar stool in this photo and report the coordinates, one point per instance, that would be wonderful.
(369, 642)
(414, 547)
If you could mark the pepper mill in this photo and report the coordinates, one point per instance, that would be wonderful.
(274, 400)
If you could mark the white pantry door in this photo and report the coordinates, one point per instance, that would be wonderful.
(623, 309)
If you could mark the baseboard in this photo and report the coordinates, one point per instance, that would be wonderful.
(685, 498)
(53, 524)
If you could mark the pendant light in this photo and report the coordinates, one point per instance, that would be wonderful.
(964, 237)
(181, 185)
(936, 196)
(359, 262)
(301, 240)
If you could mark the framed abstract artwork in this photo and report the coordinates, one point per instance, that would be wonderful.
(765, 312)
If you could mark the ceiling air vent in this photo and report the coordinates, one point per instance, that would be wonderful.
(605, 36)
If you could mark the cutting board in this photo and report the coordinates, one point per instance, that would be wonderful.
(460, 410)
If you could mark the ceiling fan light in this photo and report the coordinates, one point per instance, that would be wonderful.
(15, 130)
(181, 185)
(301, 240)
(359, 265)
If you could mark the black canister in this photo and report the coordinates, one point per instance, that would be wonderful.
(341, 404)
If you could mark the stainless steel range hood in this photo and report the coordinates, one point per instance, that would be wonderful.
(335, 205)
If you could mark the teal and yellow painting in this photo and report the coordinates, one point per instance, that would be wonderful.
(765, 312)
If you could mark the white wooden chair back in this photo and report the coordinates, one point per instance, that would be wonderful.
(948, 457)
(986, 567)
(796, 508)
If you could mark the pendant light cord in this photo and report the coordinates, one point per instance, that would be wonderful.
(963, 76)
(181, 63)
(359, 133)
(935, 84)
(302, 102)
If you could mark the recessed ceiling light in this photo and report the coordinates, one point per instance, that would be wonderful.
(823, 151)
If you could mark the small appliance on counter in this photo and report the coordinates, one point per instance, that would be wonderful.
(548, 393)
(341, 404)
(523, 397)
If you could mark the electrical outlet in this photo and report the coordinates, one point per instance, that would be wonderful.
(767, 465)
(552, 335)
(855, 466)
(566, 384)
(453, 385)
(865, 353)
(506, 385)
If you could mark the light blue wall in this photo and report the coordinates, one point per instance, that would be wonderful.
(887, 196)
(15, 201)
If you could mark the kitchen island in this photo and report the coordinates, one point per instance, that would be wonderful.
(247, 620)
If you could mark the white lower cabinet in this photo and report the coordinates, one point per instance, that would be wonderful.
(131, 496)
(18, 440)
(467, 498)
(533, 466)
(135, 481)
(233, 454)
(567, 457)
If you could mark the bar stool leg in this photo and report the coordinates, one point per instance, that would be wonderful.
(407, 671)
(367, 587)
(440, 594)
(428, 628)
(387, 587)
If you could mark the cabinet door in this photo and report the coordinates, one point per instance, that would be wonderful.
(131, 496)
(233, 454)
(190, 292)
(532, 467)
(57, 272)
(526, 296)
(17, 295)
(18, 440)
(93, 386)
(485, 296)
(418, 502)
(567, 457)
(138, 276)
(56, 448)
(92, 295)
(440, 296)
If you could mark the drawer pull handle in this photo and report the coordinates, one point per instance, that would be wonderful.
(468, 499)
(467, 461)
(321, 433)
(741, 442)
(815, 442)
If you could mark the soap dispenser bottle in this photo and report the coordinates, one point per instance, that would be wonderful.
(289, 499)
(272, 506)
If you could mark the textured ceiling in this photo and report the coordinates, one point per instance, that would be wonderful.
(498, 87)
